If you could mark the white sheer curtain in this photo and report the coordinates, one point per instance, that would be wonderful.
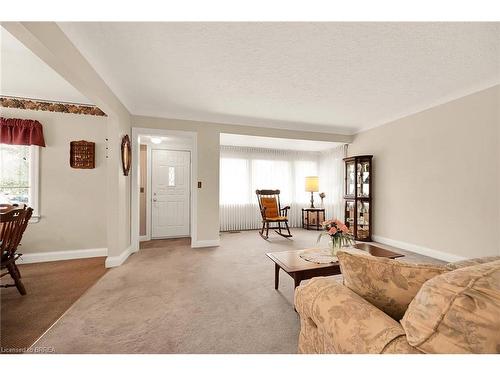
(331, 181)
(244, 170)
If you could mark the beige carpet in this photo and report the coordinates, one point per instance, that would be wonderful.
(169, 298)
(52, 287)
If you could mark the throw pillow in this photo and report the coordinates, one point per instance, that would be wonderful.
(388, 284)
(457, 312)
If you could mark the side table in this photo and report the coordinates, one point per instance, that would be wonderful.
(312, 218)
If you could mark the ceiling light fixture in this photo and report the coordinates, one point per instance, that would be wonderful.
(155, 140)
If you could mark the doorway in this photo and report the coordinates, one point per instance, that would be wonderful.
(174, 176)
(170, 193)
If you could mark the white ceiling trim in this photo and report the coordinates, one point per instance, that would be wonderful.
(255, 122)
(316, 128)
(276, 143)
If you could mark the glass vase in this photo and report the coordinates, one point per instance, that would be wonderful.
(334, 245)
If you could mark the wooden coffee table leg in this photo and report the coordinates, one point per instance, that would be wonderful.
(296, 279)
(276, 276)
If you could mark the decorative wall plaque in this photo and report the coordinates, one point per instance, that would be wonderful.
(82, 155)
(126, 154)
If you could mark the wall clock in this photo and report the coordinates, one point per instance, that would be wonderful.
(126, 154)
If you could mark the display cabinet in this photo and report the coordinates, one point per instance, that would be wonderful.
(358, 196)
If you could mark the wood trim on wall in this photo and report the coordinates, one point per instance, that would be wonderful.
(42, 105)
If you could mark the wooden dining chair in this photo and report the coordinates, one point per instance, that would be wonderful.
(13, 222)
(272, 213)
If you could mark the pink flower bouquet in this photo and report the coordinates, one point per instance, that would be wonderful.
(338, 232)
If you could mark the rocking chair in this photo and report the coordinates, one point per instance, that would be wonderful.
(272, 213)
(13, 221)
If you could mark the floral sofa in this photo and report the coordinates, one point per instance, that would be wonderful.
(389, 306)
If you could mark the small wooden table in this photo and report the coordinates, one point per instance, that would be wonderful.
(300, 269)
(312, 218)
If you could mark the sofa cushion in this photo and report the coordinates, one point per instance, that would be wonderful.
(334, 319)
(386, 283)
(471, 262)
(457, 312)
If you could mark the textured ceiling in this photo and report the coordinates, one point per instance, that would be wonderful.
(24, 75)
(338, 77)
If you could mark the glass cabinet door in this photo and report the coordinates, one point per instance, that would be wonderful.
(363, 219)
(364, 179)
(350, 178)
(349, 216)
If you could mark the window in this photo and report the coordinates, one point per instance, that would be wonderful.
(19, 176)
(171, 176)
(234, 181)
(244, 170)
(240, 176)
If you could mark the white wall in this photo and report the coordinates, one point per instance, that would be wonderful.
(437, 178)
(72, 201)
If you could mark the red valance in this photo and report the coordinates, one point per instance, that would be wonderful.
(15, 131)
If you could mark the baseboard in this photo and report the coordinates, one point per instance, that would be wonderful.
(144, 238)
(419, 249)
(62, 255)
(119, 259)
(205, 243)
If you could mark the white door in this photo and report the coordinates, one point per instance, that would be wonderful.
(170, 193)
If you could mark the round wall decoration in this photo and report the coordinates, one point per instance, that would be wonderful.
(126, 154)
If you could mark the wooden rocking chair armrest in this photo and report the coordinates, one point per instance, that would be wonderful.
(285, 209)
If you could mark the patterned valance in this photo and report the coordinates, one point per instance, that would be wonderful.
(43, 105)
(15, 131)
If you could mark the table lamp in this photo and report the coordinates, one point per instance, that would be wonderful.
(312, 186)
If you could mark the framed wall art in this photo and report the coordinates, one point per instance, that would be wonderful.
(82, 154)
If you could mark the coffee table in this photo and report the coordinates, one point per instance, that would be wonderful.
(300, 269)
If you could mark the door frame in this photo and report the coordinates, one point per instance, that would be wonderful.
(149, 205)
(135, 176)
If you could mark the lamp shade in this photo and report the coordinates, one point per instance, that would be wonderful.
(312, 183)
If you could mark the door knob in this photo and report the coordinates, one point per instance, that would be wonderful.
(154, 200)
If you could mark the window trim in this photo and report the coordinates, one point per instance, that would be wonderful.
(34, 190)
(33, 180)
